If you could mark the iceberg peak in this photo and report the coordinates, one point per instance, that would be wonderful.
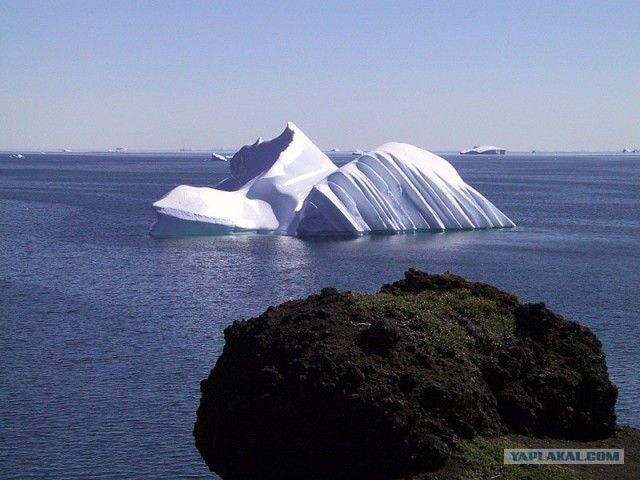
(268, 184)
(253, 160)
(287, 185)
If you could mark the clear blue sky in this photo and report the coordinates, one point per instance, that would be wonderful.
(443, 75)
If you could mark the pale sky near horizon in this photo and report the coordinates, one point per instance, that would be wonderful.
(442, 75)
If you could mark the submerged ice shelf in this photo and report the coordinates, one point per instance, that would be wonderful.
(288, 186)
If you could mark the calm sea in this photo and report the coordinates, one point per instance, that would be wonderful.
(105, 332)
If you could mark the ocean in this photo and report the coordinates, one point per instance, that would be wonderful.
(106, 332)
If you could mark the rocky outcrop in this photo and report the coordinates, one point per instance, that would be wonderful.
(346, 385)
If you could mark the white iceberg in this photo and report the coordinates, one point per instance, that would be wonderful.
(396, 187)
(484, 150)
(288, 186)
(219, 158)
(268, 184)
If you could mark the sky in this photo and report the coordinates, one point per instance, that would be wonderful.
(442, 75)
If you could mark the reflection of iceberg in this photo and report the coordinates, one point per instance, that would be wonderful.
(288, 186)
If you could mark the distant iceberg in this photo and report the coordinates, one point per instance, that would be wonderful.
(219, 158)
(288, 186)
(484, 150)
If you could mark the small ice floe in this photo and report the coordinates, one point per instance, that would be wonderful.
(219, 158)
(484, 150)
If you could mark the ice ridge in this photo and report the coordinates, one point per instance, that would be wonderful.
(396, 187)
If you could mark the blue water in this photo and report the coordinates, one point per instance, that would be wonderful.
(105, 332)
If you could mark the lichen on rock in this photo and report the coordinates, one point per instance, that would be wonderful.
(347, 385)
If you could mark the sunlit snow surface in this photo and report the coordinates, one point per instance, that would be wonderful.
(287, 185)
(268, 184)
(396, 187)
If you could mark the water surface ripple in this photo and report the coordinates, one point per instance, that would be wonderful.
(105, 332)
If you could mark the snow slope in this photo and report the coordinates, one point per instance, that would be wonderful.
(288, 186)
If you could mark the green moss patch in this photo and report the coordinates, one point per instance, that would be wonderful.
(484, 458)
(448, 323)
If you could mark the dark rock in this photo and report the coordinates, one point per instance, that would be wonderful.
(380, 338)
(564, 385)
(323, 388)
(416, 281)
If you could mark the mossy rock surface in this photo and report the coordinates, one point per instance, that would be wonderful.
(345, 385)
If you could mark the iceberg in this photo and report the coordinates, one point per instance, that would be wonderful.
(396, 188)
(268, 184)
(288, 186)
(484, 150)
(219, 158)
